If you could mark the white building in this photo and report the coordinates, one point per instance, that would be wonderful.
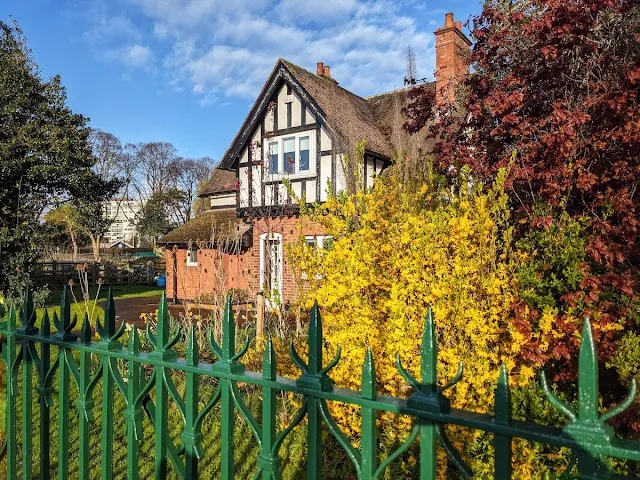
(123, 230)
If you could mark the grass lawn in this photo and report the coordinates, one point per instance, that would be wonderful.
(78, 307)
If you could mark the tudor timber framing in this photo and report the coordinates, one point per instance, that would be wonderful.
(282, 76)
(279, 75)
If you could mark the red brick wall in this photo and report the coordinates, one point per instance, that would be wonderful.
(237, 271)
(290, 228)
(214, 271)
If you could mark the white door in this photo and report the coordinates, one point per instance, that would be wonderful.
(271, 266)
(275, 266)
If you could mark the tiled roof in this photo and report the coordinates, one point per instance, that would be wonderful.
(387, 108)
(350, 115)
(221, 181)
(213, 226)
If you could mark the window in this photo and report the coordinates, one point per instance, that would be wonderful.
(192, 257)
(290, 155)
(271, 262)
(325, 242)
(304, 154)
(310, 241)
(273, 157)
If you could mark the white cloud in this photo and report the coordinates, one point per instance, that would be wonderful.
(133, 56)
(137, 56)
(315, 11)
(219, 49)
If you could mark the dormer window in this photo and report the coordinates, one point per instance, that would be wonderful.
(292, 155)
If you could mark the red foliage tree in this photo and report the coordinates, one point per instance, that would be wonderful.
(558, 81)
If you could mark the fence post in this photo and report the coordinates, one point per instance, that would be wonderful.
(502, 443)
(133, 413)
(54, 274)
(228, 364)
(129, 273)
(45, 391)
(161, 352)
(10, 357)
(368, 418)
(27, 319)
(107, 342)
(64, 325)
(85, 401)
(260, 315)
(191, 436)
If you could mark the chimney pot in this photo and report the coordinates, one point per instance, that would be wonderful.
(320, 69)
(448, 20)
(459, 25)
(327, 71)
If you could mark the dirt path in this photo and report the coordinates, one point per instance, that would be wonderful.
(130, 309)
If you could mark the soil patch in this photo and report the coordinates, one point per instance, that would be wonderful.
(130, 309)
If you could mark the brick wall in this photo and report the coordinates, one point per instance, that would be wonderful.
(290, 228)
(216, 270)
(452, 64)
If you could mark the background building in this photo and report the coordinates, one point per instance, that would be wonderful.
(125, 214)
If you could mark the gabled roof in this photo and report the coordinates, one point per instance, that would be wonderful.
(348, 116)
(221, 181)
(387, 108)
(119, 242)
(214, 226)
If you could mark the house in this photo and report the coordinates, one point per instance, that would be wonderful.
(123, 213)
(291, 148)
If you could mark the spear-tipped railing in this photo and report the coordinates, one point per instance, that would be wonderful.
(27, 348)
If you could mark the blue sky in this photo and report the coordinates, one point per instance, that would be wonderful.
(188, 71)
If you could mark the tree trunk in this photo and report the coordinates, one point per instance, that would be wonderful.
(75, 246)
(95, 245)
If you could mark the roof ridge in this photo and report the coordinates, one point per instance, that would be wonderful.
(395, 90)
(331, 80)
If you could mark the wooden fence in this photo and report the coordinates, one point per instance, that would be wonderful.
(132, 272)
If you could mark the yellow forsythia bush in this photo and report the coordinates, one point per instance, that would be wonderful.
(397, 249)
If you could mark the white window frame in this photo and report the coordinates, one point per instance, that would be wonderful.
(263, 243)
(319, 240)
(311, 238)
(319, 245)
(191, 263)
(271, 176)
(322, 239)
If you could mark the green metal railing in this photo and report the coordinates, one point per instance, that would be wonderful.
(27, 349)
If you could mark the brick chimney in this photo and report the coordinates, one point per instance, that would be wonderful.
(323, 70)
(452, 50)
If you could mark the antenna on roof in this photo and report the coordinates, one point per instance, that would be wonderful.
(410, 77)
